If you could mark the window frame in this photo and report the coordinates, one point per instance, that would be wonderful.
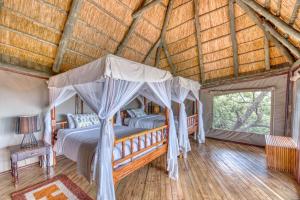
(232, 91)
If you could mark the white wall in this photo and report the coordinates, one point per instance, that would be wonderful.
(19, 95)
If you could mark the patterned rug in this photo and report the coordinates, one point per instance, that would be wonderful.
(57, 188)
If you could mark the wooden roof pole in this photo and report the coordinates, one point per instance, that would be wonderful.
(145, 8)
(233, 38)
(278, 8)
(295, 12)
(153, 48)
(270, 17)
(295, 65)
(198, 36)
(267, 53)
(67, 33)
(130, 32)
(258, 22)
(157, 56)
(163, 36)
(267, 4)
(281, 39)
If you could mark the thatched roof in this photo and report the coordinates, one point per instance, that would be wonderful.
(223, 38)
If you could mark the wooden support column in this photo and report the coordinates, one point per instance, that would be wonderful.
(281, 39)
(295, 12)
(267, 53)
(139, 12)
(233, 38)
(67, 33)
(270, 17)
(53, 132)
(199, 46)
(257, 20)
(129, 33)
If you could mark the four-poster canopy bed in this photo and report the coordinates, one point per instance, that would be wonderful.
(106, 85)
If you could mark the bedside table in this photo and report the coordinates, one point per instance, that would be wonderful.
(17, 154)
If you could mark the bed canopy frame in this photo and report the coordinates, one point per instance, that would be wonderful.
(106, 85)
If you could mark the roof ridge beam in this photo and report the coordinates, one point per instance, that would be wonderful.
(146, 7)
(270, 17)
(233, 38)
(258, 21)
(199, 45)
(67, 33)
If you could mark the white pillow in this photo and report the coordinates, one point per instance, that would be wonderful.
(71, 121)
(82, 120)
(130, 113)
(138, 112)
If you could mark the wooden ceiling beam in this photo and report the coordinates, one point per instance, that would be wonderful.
(258, 21)
(199, 45)
(295, 12)
(281, 39)
(24, 71)
(270, 17)
(67, 33)
(145, 8)
(233, 38)
(129, 33)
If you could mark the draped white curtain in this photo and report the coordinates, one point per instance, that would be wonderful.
(161, 92)
(296, 113)
(179, 94)
(106, 98)
(201, 132)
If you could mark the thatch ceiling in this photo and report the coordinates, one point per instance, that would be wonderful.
(59, 35)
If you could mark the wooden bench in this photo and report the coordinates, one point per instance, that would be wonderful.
(281, 153)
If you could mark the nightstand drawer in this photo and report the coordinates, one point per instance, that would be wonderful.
(32, 153)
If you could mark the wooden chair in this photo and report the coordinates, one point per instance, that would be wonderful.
(281, 153)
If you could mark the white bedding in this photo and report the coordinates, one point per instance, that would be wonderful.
(70, 141)
(147, 121)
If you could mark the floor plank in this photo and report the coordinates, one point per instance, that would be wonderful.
(215, 170)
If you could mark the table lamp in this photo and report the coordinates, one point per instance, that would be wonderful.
(28, 125)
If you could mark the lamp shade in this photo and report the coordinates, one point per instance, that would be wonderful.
(28, 124)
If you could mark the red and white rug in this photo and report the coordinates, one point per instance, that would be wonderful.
(57, 188)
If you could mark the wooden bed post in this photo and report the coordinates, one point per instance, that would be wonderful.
(196, 112)
(53, 130)
(81, 106)
(145, 104)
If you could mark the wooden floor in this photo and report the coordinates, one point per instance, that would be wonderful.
(216, 170)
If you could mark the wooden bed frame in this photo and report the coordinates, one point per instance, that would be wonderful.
(160, 147)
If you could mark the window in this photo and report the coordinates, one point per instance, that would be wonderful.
(243, 111)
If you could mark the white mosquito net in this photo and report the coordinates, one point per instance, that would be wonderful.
(106, 85)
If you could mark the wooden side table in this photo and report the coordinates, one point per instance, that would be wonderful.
(17, 154)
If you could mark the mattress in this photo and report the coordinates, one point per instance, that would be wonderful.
(70, 141)
(147, 121)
